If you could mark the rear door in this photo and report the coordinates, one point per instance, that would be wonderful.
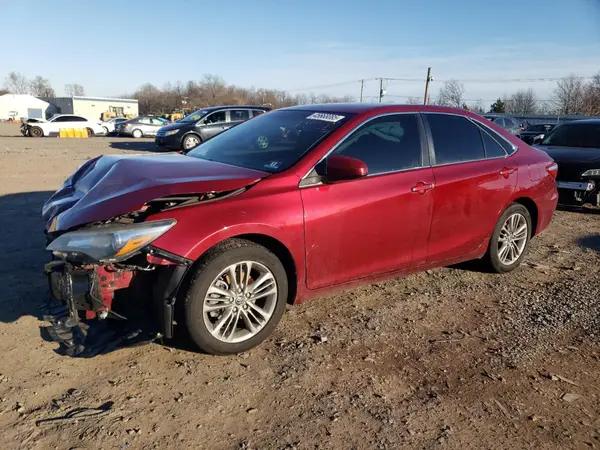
(376, 224)
(237, 116)
(474, 181)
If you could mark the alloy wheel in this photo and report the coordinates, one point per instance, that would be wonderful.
(513, 238)
(240, 302)
(191, 142)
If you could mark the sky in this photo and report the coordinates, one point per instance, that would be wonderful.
(320, 46)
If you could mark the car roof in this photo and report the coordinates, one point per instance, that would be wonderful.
(374, 108)
(214, 108)
(583, 121)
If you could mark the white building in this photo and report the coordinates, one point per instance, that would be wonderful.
(15, 106)
(92, 107)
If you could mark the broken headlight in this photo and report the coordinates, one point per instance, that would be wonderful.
(109, 242)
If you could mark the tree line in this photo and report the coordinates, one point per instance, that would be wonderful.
(38, 86)
(572, 95)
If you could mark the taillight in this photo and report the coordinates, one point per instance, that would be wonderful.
(552, 169)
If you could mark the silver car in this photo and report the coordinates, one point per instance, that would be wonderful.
(510, 124)
(140, 126)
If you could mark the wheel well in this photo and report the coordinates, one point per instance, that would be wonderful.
(284, 256)
(533, 211)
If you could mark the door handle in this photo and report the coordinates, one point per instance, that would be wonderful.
(507, 171)
(421, 187)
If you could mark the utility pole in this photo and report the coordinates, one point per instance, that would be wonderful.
(381, 89)
(362, 87)
(429, 78)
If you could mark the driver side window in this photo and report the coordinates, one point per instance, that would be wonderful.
(387, 144)
(216, 117)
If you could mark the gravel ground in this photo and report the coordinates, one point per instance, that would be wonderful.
(452, 358)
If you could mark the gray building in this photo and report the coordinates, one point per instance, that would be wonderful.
(92, 108)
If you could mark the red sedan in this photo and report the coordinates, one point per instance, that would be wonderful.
(286, 206)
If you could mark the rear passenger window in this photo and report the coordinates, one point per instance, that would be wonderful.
(238, 115)
(492, 148)
(455, 139)
(385, 144)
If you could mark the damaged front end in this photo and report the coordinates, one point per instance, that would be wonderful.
(110, 270)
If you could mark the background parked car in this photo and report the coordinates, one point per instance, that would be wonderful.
(537, 131)
(203, 124)
(140, 126)
(55, 123)
(110, 124)
(510, 124)
(575, 146)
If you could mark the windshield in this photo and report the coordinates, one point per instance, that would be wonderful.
(271, 142)
(585, 135)
(195, 116)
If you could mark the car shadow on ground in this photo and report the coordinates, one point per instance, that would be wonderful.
(591, 242)
(22, 255)
(137, 146)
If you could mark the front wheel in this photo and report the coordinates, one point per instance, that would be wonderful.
(190, 141)
(36, 132)
(137, 134)
(235, 297)
(510, 239)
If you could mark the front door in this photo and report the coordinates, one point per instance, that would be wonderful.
(213, 124)
(376, 224)
(474, 180)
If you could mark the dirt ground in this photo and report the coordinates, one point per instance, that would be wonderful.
(452, 358)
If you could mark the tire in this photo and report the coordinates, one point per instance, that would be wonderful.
(137, 134)
(213, 269)
(90, 132)
(497, 258)
(190, 141)
(36, 132)
(105, 131)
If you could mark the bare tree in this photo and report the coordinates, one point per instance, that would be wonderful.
(74, 89)
(522, 102)
(40, 87)
(568, 95)
(451, 94)
(478, 107)
(16, 83)
(591, 97)
(413, 101)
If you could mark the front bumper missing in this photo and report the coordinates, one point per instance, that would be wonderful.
(142, 301)
(71, 324)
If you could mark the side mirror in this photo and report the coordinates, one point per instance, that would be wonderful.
(341, 167)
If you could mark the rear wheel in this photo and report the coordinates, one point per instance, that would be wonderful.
(90, 132)
(137, 134)
(36, 132)
(235, 298)
(510, 239)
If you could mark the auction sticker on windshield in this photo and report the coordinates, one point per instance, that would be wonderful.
(326, 117)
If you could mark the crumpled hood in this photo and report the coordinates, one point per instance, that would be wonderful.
(571, 154)
(112, 185)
